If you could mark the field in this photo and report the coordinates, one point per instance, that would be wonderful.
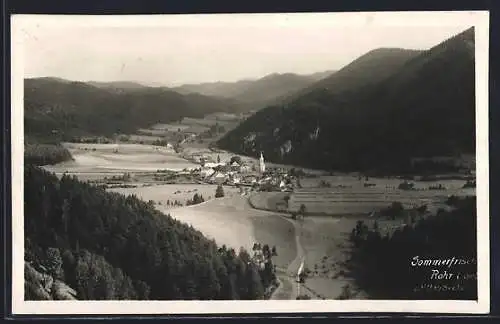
(267, 200)
(323, 241)
(160, 194)
(229, 220)
(93, 161)
(355, 182)
(233, 222)
(347, 195)
(192, 125)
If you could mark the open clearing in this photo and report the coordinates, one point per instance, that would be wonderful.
(161, 194)
(233, 222)
(229, 220)
(108, 159)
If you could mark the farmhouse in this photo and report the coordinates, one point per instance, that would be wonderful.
(206, 172)
(235, 179)
(245, 168)
(218, 178)
(235, 166)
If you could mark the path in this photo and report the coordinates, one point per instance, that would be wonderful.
(289, 288)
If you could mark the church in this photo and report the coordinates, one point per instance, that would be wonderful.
(262, 164)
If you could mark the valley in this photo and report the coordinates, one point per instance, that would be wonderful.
(289, 186)
(170, 177)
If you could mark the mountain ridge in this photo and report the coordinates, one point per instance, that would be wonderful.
(74, 108)
(368, 125)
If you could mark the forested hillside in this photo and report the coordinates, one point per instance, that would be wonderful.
(395, 265)
(376, 114)
(108, 246)
(60, 109)
(45, 153)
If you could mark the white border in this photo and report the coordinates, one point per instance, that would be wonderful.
(479, 19)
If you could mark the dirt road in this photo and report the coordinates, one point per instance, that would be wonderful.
(289, 288)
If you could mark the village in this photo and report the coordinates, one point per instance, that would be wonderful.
(246, 175)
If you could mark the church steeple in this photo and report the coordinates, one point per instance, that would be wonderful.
(262, 164)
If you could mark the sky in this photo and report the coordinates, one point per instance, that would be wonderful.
(174, 50)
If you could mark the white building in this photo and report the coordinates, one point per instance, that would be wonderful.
(207, 172)
(245, 168)
(219, 178)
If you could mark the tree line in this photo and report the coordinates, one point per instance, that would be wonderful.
(110, 246)
(45, 153)
(384, 266)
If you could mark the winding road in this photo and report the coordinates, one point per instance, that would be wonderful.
(289, 288)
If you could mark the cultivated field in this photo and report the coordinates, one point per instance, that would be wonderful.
(362, 201)
(93, 161)
(355, 182)
(347, 195)
(162, 194)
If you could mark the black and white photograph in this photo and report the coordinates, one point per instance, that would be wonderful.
(313, 162)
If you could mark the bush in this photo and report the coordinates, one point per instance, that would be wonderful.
(303, 297)
(406, 186)
(469, 184)
(324, 184)
(197, 199)
(346, 293)
(219, 192)
(395, 210)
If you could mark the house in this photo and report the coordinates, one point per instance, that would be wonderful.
(249, 179)
(235, 166)
(219, 178)
(222, 168)
(235, 179)
(206, 172)
(245, 168)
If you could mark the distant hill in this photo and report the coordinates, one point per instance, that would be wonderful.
(255, 94)
(66, 108)
(320, 75)
(118, 85)
(376, 113)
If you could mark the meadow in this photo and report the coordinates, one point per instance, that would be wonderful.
(162, 194)
(94, 161)
(229, 220)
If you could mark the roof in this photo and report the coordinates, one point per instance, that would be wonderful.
(213, 165)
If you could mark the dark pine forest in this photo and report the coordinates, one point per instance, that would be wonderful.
(109, 246)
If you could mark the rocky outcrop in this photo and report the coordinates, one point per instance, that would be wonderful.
(39, 285)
